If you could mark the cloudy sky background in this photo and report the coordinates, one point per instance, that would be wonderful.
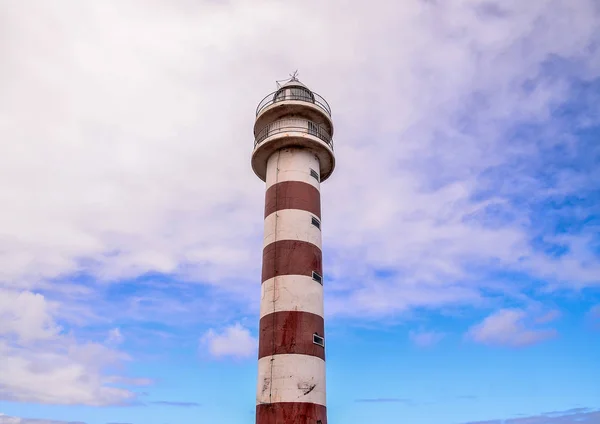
(461, 226)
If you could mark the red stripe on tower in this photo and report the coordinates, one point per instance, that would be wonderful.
(291, 257)
(291, 412)
(293, 195)
(291, 332)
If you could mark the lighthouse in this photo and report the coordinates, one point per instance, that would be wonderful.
(293, 155)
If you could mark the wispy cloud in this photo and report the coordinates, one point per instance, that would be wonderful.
(115, 337)
(171, 403)
(508, 327)
(548, 317)
(573, 416)
(385, 400)
(5, 419)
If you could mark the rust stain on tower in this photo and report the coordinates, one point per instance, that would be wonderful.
(293, 155)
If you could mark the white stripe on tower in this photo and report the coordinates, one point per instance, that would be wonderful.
(307, 384)
(291, 293)
(294, 165)
(292, 224)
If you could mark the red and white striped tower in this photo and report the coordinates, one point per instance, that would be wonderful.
(293, 154)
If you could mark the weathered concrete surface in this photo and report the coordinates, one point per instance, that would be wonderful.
(293, 195)
(291, 293)
(291, 378)
(293, 165)
(290, 332)
(292, 412)
(291, 224)
(291, 257)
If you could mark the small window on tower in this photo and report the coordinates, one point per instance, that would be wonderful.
(316, 222)
(314, 174)
(319, 422)
(317, 277)
(318, 340)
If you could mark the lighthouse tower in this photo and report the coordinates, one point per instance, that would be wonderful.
(293, 154)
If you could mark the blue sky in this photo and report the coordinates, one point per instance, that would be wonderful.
(460, 228)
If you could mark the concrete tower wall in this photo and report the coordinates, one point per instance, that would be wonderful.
(294, 165)
(291, 366)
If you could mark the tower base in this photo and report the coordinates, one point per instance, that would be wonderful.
(291, 413)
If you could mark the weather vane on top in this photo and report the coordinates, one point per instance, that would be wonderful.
(294, 77)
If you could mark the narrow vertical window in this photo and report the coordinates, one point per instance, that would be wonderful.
(318, 340)
(316, 222)
(314, 174)
(317, 277)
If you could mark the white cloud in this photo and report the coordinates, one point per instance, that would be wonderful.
(425, 338)
(27, 316)
(133, 122)
(66, 372)
(42, 364)
(549, 316)
(509, 327)
(235, 341)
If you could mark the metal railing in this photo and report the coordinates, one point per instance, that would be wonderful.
(294, 125)
(279, 96)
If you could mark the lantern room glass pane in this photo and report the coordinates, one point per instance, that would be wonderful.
(301, 93)
(294, 93)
